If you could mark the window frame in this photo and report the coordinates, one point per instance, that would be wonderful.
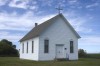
(27, 48)
(22, 47)
(32, 46)
(46, 46)
(71, 46)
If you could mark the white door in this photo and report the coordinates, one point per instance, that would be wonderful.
(59, 51)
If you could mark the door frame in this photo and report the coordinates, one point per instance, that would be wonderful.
(56, 49)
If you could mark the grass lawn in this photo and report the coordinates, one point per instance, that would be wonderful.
(15, 61)
(93, 56)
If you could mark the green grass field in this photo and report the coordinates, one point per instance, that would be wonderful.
(93, 56)
(15, 61)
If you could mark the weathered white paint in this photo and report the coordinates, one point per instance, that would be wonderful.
(30, 55)
(59, 33)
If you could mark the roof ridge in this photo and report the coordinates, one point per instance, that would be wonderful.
(36, 31)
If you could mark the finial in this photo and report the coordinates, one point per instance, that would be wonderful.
(59, 9)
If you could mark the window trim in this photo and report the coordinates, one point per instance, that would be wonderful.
(46, 46)
(27, 48)
(22, 47)
(32, 46)
(72, 47)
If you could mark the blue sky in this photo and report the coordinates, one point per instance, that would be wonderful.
(17, 17)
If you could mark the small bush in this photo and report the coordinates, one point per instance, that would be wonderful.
(82, 53)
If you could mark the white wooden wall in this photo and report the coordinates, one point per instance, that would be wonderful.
(58, 33)
(30, 55)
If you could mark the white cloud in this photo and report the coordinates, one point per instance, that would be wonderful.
(90, 40)
(23, 23)
(23, 3)
(13, 38)
(11, 21)
(33, 7)
(3, 2)
(92, 5)
(78, 22)
(2, 33)
(72, 1)
(16, 22)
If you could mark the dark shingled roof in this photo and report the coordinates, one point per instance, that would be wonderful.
(36, 31)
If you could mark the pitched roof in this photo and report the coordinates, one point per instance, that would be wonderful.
(36, 31)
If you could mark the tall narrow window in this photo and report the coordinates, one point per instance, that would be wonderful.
(23, 48)
(46, 46)
(32, 46)
(71, 47)
(27, 48)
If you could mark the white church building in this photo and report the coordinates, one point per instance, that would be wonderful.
(50, 40)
